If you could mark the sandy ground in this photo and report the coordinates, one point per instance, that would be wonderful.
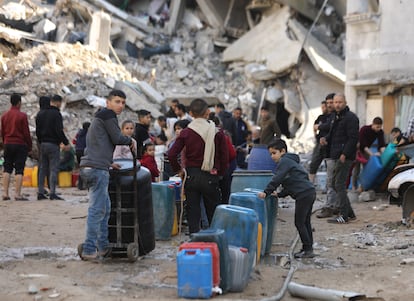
(38, 241)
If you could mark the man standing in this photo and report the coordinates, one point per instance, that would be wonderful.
(242, 131)
(342, 140)
(141, 133)
(17, 144)
(206, 156)
(227, 121)
(319, 151)
(269, 127)
(49, 130)
(331, 206)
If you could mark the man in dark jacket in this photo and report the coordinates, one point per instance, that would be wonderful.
(50, 134)
(227, 121)
(342, 140)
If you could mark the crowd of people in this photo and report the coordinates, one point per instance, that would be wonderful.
(200, 146)
(346, 148)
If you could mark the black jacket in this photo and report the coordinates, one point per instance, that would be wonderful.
(343, 135)
(49, 126)
(141, 134)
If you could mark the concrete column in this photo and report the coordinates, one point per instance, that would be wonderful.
(99, 34)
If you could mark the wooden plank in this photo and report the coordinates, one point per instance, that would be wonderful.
(389, 117)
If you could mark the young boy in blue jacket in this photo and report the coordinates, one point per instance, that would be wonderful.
(295, 182)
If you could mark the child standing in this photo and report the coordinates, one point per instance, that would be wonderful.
(103, 134)
(148, 160)
(124, 151)
(295, 182)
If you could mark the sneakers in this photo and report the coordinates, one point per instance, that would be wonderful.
(41, 196)
(304, 254)
(340, 219)
(325, 212)
(90, 257)
(54, 196)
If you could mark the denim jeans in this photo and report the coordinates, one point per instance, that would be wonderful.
(97, 181)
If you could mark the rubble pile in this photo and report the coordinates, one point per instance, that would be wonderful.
(192, 53)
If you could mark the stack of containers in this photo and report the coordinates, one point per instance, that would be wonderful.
(240, 226)
(219, 237)
(271, 208)
(250, 200)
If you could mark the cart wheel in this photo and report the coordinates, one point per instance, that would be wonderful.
(132, 252)
(80, 250)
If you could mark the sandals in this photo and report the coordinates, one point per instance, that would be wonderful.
(20, 198)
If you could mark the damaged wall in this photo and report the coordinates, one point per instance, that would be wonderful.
(378, 63)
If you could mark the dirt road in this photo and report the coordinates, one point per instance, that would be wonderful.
(38, 241)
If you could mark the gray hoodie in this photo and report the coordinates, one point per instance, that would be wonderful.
(292, 176)
(103, 134)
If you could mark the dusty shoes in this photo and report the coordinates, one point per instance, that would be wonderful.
(304, 254)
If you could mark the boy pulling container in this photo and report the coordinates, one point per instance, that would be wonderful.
(295, 182)
(103, 134)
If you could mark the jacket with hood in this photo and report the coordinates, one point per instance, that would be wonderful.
(292, 176)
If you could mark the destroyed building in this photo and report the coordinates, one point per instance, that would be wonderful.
(378, 63)
(287, 54)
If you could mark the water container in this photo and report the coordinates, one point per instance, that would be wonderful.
(250, 200)
(250, 178)
(27, 177)
(75, 179)
(239, 266)
(65, 179)
(219, 237)
(124, 178)
(240, 226)
(271, 208)
(372, 170)
(212, 246)
(194, 274)
(177, 188)
(163, 201)
(259, 242)
(35, 173)
(260, 159)
(389, 153)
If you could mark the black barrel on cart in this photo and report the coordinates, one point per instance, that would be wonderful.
(131, 223)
